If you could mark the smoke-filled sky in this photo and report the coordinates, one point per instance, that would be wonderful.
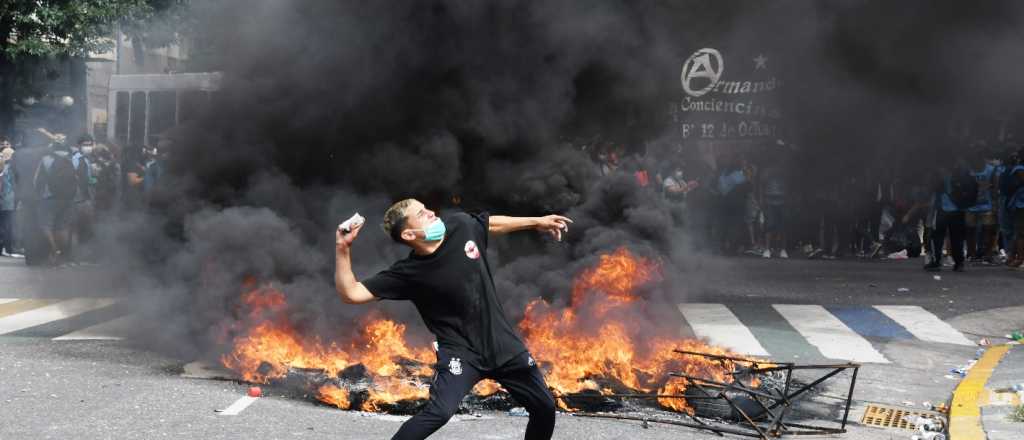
(333, 107)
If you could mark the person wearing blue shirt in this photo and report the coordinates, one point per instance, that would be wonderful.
(1005, 181)
(980, 218)
(1015, 205)
(949, 216)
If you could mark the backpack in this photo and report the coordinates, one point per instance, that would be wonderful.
(62, 178)
(963, 190)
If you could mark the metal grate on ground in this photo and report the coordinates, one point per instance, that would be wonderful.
(885, 416)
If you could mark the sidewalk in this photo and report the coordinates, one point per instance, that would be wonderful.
(1000, 403)
(984, 400)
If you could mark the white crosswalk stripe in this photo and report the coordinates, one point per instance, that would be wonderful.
(807, 330)
(53, 312)
(109, 331)
(924, 325)
(826, 332)
(721, 327)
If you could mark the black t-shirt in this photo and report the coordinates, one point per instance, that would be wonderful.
(453, 290)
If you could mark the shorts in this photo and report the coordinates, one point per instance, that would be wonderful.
(975, 219)
(56, 215)
(774, 217)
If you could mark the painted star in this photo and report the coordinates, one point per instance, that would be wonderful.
(759, 61)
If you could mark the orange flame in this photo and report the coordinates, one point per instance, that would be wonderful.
(590, 345)
(583, 347)
(333, 395)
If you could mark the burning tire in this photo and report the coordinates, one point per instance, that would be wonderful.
(705, 406)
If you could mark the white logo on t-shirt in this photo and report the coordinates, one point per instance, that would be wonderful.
(472, 251)
(455, 366)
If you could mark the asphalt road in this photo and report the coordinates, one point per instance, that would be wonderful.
(98, 389)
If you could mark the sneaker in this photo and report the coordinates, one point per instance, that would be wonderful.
(934, 266)
(783, 255)
(947, 261)
(814, 253)
(828, 257)
(958, 267)
(753, 251)
(767, 253)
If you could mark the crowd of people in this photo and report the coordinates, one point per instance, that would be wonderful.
(53, 194)
(964, 207)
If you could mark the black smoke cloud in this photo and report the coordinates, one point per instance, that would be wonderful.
(333, 107)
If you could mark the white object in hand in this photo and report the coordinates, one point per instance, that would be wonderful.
(350, 224)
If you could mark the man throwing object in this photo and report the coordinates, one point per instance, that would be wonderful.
(448, 279)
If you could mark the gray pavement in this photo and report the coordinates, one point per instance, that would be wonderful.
(995, 418)
(113, 389)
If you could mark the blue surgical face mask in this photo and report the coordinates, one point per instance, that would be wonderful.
(434, 231)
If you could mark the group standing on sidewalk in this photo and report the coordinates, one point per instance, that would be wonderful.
(52, 197)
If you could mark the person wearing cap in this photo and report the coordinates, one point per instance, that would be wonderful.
(448, 277)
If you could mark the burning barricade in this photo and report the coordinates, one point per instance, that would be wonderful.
(593, 357)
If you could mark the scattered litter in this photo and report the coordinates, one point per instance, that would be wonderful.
(255, 392)
(901, 255)
(1016, 336)
(518, 412)
(926, 428)
(903, 289)
(984, 342)
(937, 277)
(950, 377)
(977, 354)
(645, 425)
(872, 285)
(908, 403)
(962, 371)
(927, 405)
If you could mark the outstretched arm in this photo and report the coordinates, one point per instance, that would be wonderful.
(552, 224)
(350, 290)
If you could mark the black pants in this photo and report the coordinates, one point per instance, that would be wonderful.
(454, 378)
(954, 223)
(7, 230)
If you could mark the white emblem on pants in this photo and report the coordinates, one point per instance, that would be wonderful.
(455, 366)
(530, 361)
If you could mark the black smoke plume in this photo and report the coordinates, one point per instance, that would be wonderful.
(328, 108)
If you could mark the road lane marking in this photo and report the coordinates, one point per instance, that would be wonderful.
(22, 305)
(964, 412)
(104, 331)
(239, 405)
(869, 321)
(833, 338)
(721, 327)
(52, 312)
(924, 325)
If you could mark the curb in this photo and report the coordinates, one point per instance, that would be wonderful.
(965, 410)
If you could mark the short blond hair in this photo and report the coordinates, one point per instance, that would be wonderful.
(394, 219)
